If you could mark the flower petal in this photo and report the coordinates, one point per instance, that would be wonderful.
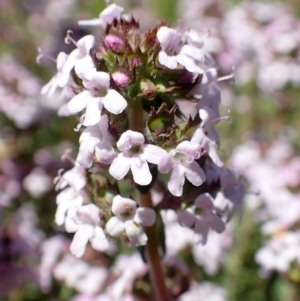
(120, 166)
(145, 216)
(99, 241)
(79, 101)
(168, 37)
(115, 227)
(114, 102)
(166, 163)
(80, 240)
(93, 112)
(128, 139)
(89, 214)
(188, 63)
(140, 171)
(166, 60)
(194, 52)
(135, 234)
(186, 219)
(85, 153)
(110, 13)
(153, 153)
(122, 205)
(97, 80)
(216, 223)
(84, 65)
(105, 153)
(194, 173)
(176, 181)
(201, 232)
(85, 44)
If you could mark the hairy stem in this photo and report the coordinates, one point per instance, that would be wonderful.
(157, 276)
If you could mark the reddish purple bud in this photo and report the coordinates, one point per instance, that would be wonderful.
(135, 62)
(121, 79)
(114, 43)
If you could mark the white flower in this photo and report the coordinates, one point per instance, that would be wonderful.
(67, 199)
(130, 219)
(134, 155)
(200, 291)
(75, 177)
(98, 94)
(37, 182)
(97, 139)
(181, 162)
(206, 135)
(84, 45)
(173, 52)
(85, 221)
(60, 79)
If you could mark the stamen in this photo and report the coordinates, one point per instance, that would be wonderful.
(66, 157)
(227, 77)
(59, 176)
(181, 27)
(69, 39)
(41, 55)
(257, 193)
(80, 124)
(214, 120)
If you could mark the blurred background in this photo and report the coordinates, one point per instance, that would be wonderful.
(259, 257)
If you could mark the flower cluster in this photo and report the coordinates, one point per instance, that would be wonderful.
(274, 173)
(265, 49)
(134, 91)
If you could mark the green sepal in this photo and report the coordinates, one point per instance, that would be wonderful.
(161, 120)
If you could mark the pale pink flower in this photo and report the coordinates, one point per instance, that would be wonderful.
(134, 155)
(206, 135)
(200, 291)
(51, 250)
(96, 139)
(60, 79)
(85, 221)
(84, 45)
(80, 275)
(66, 199)
(127, 268)
(181, 161)
(201, 217)
(280, 252)
(130, 219)
(97, 95)
(37, 182)
(75, 177)
(173, 51)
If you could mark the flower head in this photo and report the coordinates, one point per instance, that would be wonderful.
(130, 219)
(201, 217)
(134, 155)
(85, 221)
(181, 161)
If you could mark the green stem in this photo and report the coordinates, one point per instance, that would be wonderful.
(136, 123)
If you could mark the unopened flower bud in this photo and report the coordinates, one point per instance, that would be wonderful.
(136, 62)
(114, 43)
(121, 79)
